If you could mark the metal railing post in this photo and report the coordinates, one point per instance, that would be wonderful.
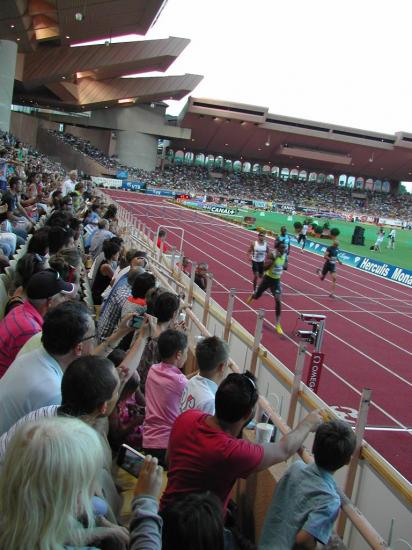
(353, 465)
(257, 340)
(192, 282)
(299, 365)
(206, 306)
(173, 259)
(229, 312)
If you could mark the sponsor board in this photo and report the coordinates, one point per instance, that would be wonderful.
(106, 182)
(160, 192)
(315, 371)
(260, 204)
(133, 185)
(122, 174)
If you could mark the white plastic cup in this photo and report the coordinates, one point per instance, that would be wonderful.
(263, 432)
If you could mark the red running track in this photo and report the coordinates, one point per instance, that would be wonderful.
(367, 340)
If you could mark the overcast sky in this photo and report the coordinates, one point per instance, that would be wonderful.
(326, 60)
(330, 61)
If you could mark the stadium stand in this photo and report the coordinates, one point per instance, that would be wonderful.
(286, 194)
(84, 397)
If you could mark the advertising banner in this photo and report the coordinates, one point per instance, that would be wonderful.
(260, 204)
(122, 174)
(315, 371)
(133, 185)
(160, 192)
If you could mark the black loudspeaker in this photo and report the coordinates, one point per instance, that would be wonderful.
(358, 236)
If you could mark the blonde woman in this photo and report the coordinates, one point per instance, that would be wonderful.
(49, 476)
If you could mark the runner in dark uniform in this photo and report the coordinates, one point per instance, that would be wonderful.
(285, 239)
(331, 257)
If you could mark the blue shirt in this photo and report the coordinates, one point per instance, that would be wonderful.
(305, 498)
(32, 381)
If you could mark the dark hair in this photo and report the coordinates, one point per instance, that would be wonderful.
(14, 180)
(236, 396)
(59, 238)
(165, 306)
(210, 353)
(28, 265)
(142, 283)
(65, 200)
(117, 356)
(333, 445)
(110, 248)
(59, 218)
(134, 253)
(67, 262)
(131, 386)
(162, 233)
(102, 223)
(64, 327)
(193, 522)
(39, 242)
(151, 298)
(170, 342)
(75, 225)
(110, 212)
(87, 383)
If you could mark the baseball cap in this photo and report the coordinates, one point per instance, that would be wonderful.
(46, 284)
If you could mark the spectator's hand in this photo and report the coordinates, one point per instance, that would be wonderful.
(121, 534)
(126, 323)
(314, 419)
(150, 478)
(149, 326)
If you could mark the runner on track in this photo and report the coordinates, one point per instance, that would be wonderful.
(331, 257)
(302, 235)
(271, 279)
(285, 239)
(257, 253)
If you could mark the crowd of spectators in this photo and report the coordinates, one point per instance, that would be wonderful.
(287, 195)
(74, 390)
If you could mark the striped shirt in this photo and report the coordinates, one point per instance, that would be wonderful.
(15, 329)
(112, 309)
(44, 412)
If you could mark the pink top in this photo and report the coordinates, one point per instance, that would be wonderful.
(16, 328)
(164, 387)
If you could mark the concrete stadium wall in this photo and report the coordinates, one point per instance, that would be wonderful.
(70, 159)
(100, 138)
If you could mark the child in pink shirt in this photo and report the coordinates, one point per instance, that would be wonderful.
(164, 388)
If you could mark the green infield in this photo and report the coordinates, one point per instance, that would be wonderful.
(401, 256)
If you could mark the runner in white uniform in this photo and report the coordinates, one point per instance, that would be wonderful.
(392, 238)
(257, 253)
(302, 235)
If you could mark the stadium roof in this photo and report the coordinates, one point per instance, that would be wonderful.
(52, 74)
(250, 132)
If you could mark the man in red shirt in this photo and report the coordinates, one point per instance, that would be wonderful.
(44, 290)
(205, 452)
(161, 241)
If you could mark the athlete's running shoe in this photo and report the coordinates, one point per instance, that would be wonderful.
(318, 271)
(331, 295)
(250, 299)
(279, 329)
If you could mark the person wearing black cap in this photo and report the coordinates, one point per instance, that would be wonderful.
(44, 290)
